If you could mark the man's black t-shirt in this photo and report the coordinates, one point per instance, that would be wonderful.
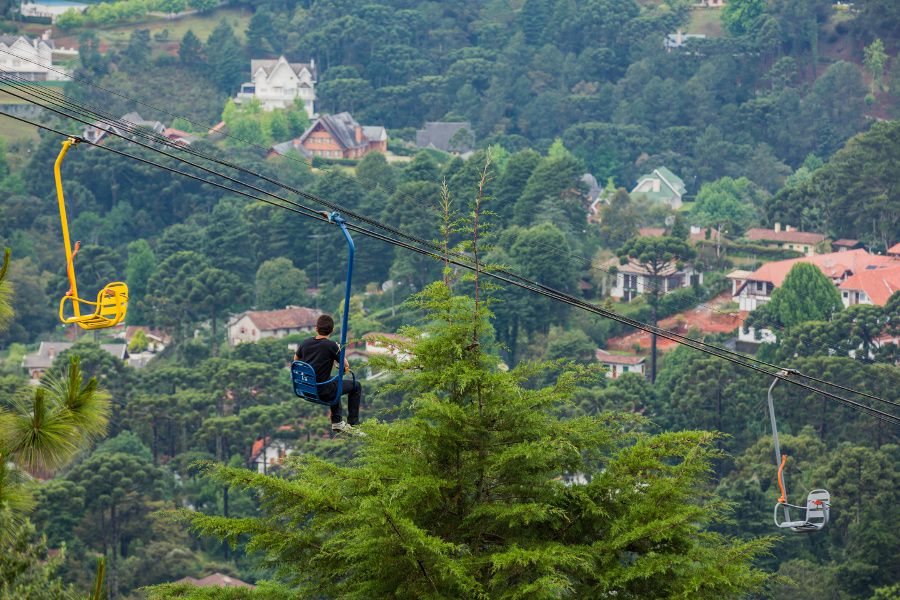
(321, 354)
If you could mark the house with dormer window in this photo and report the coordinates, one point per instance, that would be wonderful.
(661, 185)
(336, 137)
(279, 84)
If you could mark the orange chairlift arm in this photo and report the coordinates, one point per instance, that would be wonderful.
(783, 498)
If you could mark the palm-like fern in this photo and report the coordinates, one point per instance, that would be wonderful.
(42, 428)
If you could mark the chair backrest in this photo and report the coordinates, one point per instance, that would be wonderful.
(303, 376)
(818, 504)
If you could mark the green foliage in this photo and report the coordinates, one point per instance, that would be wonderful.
(875, 59)
(43, 428)
(743, 17)
(26, 569)
(6, 309)
(249, 123)
(726, 202)
(279, 284)
(225, 57)
(806, 294)
(465, 498)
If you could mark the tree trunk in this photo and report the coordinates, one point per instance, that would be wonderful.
(225, 547)
(113, 551)
(214, 340)
(155, 443)
(655, 303)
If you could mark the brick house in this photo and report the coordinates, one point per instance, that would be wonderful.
(336, 136)
(254, 325)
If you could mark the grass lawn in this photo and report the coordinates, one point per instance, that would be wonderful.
(706, 21)
(202, 25)
(13, 131)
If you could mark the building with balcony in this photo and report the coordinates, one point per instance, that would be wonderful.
(280, 84)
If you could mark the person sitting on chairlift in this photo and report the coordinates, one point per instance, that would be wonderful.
(322, 353)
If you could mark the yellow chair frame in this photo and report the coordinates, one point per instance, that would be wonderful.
(112, 300)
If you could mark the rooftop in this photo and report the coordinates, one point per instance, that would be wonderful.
(834, 265)
(797, 237)
(878, 284)
(618, 359)
(48, 351)
(292, 317)
(268, 65)
(216, 580)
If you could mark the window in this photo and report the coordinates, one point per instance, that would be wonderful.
(760, 287)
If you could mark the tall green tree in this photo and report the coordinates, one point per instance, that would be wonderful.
(225, 57)
(725, 203)
(190, 51)
(279, 283)
(211, 293)
(138, 271)
(806, 294)
(658, 257)
(466, 496)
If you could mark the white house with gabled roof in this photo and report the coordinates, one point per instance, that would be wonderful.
(278, 84)
(30, 59)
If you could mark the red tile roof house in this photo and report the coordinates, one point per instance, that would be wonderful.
(268, 452)
(254, 325)
(336, 136)
(619, 364)
(840, 267)
(871, 286)
(894, 250)
(787, 239)
(837, 266)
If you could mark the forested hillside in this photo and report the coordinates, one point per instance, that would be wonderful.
(501, 459)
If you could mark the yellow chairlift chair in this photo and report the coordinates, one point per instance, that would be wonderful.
(112, 300)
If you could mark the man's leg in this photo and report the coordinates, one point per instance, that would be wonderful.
(326, 393)
(354, 396)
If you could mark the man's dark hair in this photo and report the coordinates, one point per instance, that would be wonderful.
(324, 325)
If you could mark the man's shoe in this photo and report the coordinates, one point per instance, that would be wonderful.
(342, 427)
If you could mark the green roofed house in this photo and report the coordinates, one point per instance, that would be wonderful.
(662, 185)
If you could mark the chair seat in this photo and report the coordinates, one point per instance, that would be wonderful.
(109, 309)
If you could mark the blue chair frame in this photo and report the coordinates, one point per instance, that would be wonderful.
(303, 376)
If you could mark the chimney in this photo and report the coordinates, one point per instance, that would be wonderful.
(359, 134)
(679, 37)
(789, 228)
(777, 227)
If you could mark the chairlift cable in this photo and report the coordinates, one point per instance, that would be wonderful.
(509, 278)
(137, 131)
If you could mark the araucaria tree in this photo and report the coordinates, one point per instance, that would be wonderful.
(482, 491)
(659, 257)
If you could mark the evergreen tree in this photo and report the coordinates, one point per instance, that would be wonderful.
(806, 294)
(225, 57)
(279, 283)
(467, 496)
(190, 51)
(512, 182)
(140, 268)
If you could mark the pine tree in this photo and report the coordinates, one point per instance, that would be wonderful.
(468, 496)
